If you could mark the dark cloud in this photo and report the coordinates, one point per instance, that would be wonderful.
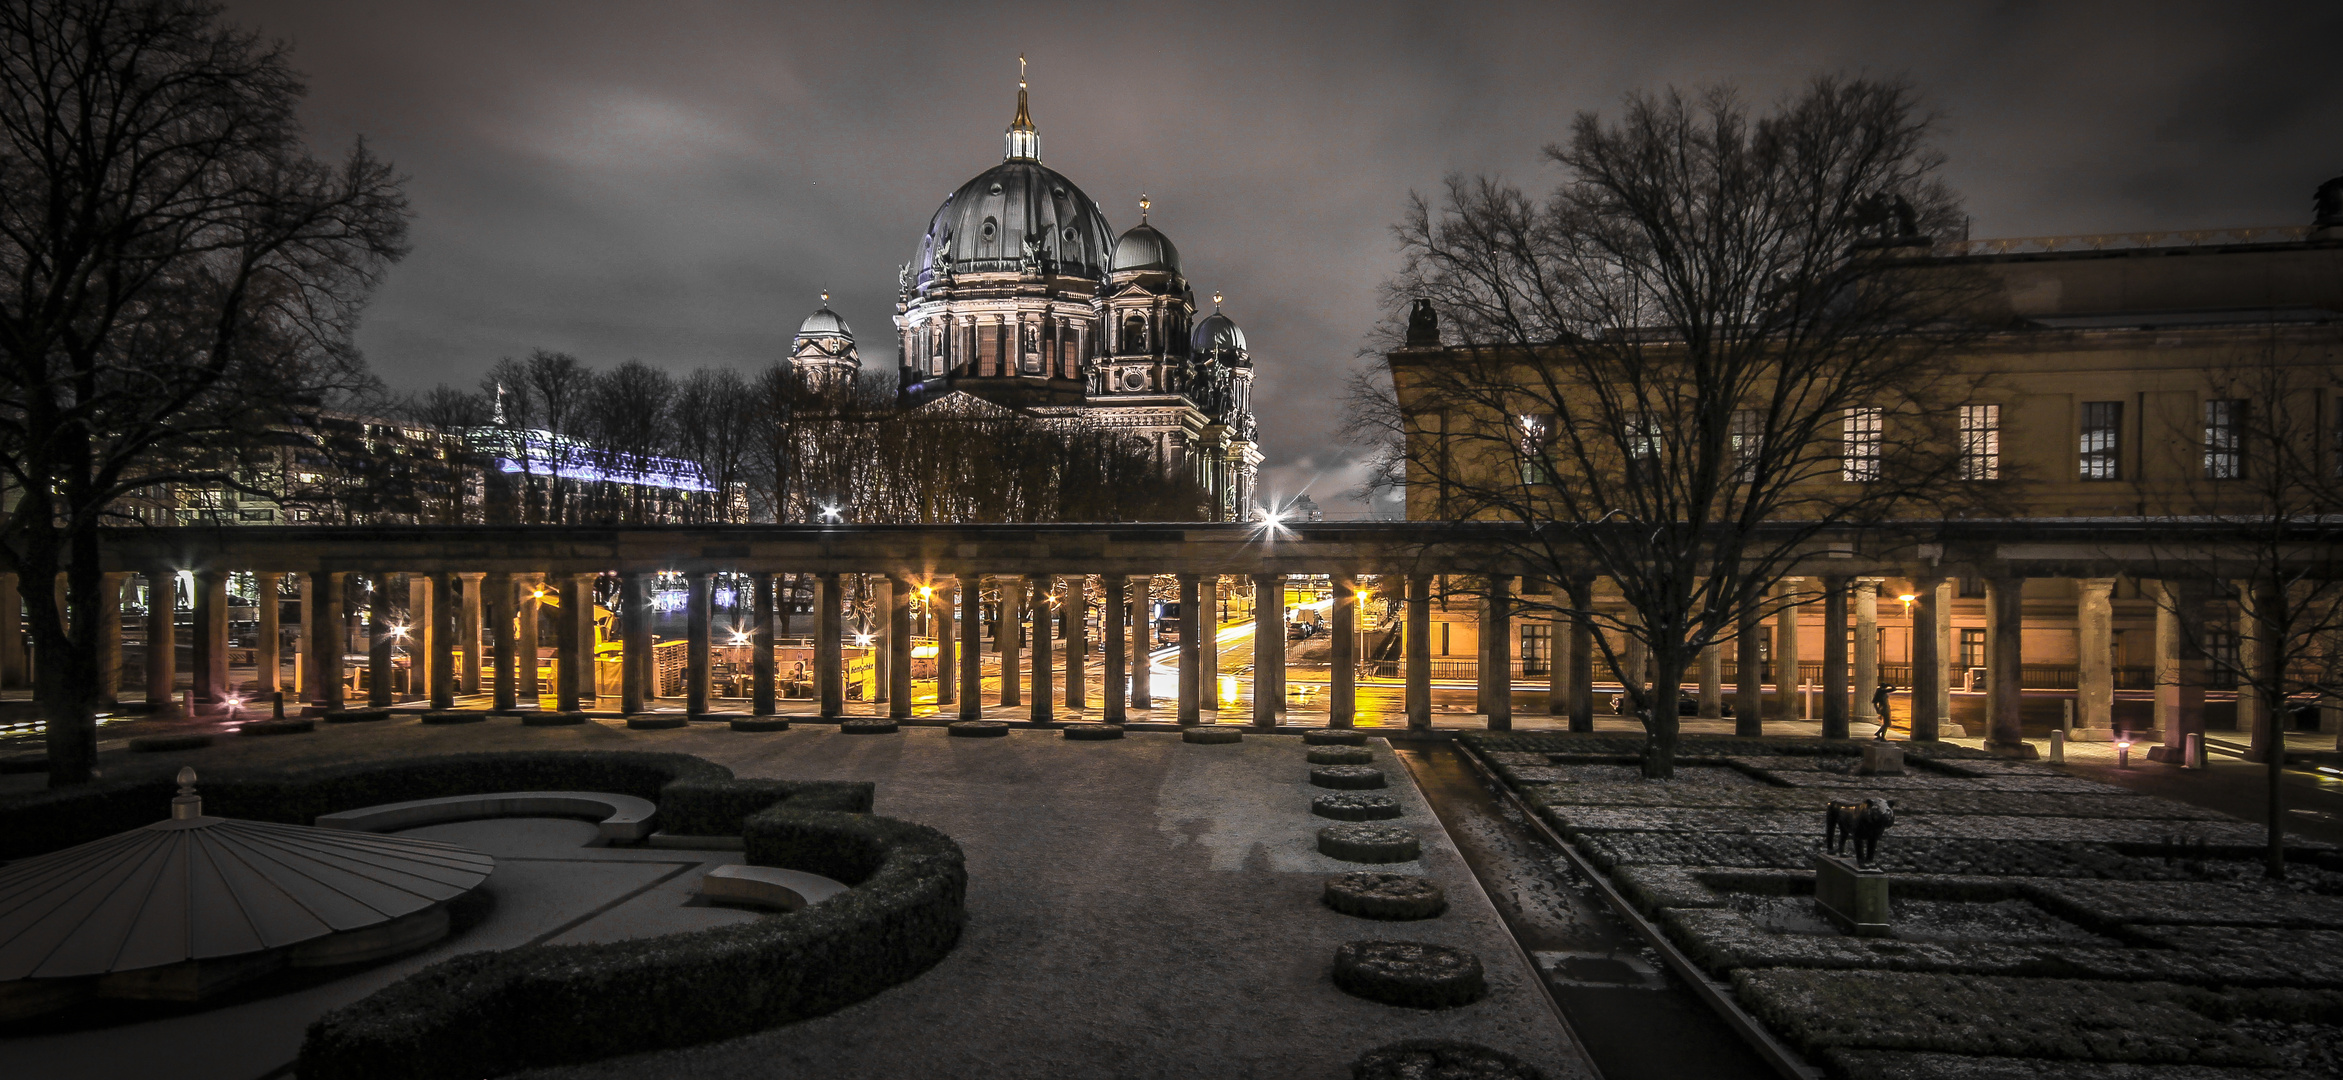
(677, 182)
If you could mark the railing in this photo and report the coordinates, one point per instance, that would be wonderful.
(2274, 234)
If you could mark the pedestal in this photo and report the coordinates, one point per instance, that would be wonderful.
(1881, 758)
(1853, 897)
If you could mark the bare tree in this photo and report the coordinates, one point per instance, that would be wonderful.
(630, 414)
(715, 419)
(181, 278)
(1709, 346)
(558, 384)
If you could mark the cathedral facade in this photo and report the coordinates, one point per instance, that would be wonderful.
(1021, 296)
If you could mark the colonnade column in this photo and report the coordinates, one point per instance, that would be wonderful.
(1945, 653)
(468, 629)
(763, 700)
(1834, 657)
(2094, 654)
(211, 636)
(528, 604)
(1927, 662)
(162, 641)
(574, 674)
(1191, 650)
(1118, 643)
(971, 646)
(421, 636)
(1208, 661)
(1142, 642)
(269, 648)
(2005, 666)
(1038, 588)
(1076, 614)
(829, 647)
(1866, 651)
(1009, 640)
(2180, 666)
(1342, 676)
(1712, 682)
(898, 647)
(1497, 655)
(110, 637)
(1557, 655)
(326, 646)
(1268, 648)
(698, 616)
(1749, 672)
(378, 642)
(634, 639)
(14, 672)
(443, 641)
(940, 609)
(1419, 652)
(499, 604)
(1786, 696)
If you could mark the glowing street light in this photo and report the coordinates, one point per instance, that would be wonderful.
(398, 631)
(832, 513)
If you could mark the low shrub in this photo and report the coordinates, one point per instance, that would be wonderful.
(1346, 777)
(485, 1014)
(1440, 1059)
(1339, 755)
(1371, 894)
(1334, 737)
(1414, 974)
(1361, 842)
(719, 807)
(1355, 806)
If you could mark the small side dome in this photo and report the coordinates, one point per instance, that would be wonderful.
(1217, 339)
(1146, 248)
(824, 323)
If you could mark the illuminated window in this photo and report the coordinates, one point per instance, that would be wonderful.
(1973, 648)
(1980, 442)
(1860, 444)
(2224, 439)
(2102, 435)
(1535, 434)
(1748, 442)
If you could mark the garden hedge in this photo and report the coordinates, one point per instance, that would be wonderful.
(484, 1014)
(1440, 1059)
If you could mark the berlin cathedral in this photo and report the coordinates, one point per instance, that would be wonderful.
(1022, 297)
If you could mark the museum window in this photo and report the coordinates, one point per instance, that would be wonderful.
(1535, 431)
(1748, 436)
(1980, 442)
(1537, 647)
(1860, 444)
(1972, 649)
(1134, 336)
(1644, 442)
(2224, 439)
(2101, 440)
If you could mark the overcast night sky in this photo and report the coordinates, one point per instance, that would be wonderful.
(676, 182)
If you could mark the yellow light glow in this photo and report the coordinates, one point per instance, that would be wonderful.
(1228, 689)
(923, 652)
(1909, 597)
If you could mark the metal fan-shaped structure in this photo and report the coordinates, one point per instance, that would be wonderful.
(196, 890)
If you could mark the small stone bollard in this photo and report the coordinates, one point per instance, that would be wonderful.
(1881, 758)
(1850, 896)
(2057, 747)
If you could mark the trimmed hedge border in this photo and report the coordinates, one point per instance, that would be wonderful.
(759, 723)
(485, 1014)
(868, 727)
(1412, 974)
(1417, 1059)
(1211, 736)
(657, 723)
(1334, 737)
(453, 717)
(156, 744)
(288, 726)
(548, 719)
(978, 729)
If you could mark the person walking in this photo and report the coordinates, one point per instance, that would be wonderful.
(1879, 704)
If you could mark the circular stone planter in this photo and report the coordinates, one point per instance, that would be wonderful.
(551, 719)
(868, 727)
(1211, 736)
(1340, 755)
(1346, 777)
(1417, 1058)
(294, 726)
(1361, 842)
(1355, 806)
(1373, 894)
(1414, 974)
(1334, 737)
(155, 744)
(978, 729)
(760, 723)
(1092, 732)
(655, 723)
(357, 716)
(455, 717)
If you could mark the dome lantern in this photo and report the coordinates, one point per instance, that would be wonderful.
(1024, 141)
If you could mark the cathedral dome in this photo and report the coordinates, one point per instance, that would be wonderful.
(1144, 248)
(824, 323)
(1218, 339)
(987, 225)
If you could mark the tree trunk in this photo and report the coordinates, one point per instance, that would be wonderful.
(2274, 768)
(1661, 721)
(66, 682)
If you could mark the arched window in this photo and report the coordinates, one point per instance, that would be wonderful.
(1134, 335)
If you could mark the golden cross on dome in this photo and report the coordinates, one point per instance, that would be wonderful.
(1216, 299)
(825, 297)
(1144, 203)
(1020, 71)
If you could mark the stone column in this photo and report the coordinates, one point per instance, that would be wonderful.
(379, 642)
(162, 639)
(528, 606)
(765, 699)
(1946, 653)
(211, 636)
(1834, 657)
(1497, 653)
(634, 640)
(1076, 614)
(1268, 648)
(1142, 642)
(443, 641)
(1118, 644)
(571, 651)
(1419, 652)
(2095, 655)
(1557, 657)
(1038, 588)
(1712, 683)
(268, 652)
(500, 604)
(940, 608)
(1342, 676)
(110, 637)
(881, 655)
(1786, 696)
(829, 647)
(1866, 651)
(1748, 674)
(899, 600)
(1927, 661)
(2005, 665)
(1191, 649)
(1208, 665)
(326, 646)
(1010, 640)
(468, 630)
(971, 646)
(420, 633)
(699, 617)
(2180, 666)
(15, 673)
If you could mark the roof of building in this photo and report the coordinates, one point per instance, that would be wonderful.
(1146, 248)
